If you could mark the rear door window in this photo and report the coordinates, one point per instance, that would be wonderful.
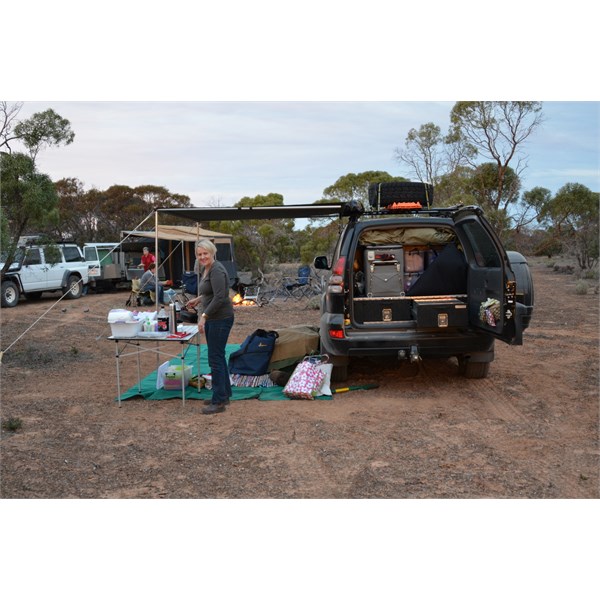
(484, 249)
(71, 254)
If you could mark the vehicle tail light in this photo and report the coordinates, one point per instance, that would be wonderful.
(336, 281)
(336, 333)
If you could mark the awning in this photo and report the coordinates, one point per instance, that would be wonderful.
(245, 213)
(182, 233)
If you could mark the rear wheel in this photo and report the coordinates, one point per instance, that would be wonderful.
(473, 370)
(10, 294)
(339, 373)
(74, 287)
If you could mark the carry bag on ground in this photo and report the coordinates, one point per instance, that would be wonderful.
(254, 354)
(307, 379)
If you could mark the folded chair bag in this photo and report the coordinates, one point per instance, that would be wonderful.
(254, 354)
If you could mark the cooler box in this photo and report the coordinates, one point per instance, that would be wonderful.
(384, 274)
(173, 377)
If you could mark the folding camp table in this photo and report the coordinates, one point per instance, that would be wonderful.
(158, 343)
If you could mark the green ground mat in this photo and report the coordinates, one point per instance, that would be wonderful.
(149, 392)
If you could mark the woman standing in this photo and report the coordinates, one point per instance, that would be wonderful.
(215, 321)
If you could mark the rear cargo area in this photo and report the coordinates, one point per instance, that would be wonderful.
(409, 276)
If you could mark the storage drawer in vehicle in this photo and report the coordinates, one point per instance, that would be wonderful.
(440, 313)
(382, 310)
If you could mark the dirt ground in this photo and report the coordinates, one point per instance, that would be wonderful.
(530, 430)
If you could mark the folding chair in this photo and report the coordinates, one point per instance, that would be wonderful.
(298, 287)
(138, 298)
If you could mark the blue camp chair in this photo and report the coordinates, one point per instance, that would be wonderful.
(298, 286)
(190, 282)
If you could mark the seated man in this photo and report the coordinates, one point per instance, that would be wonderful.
(148, 283)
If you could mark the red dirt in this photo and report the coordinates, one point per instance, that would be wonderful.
(530, 430)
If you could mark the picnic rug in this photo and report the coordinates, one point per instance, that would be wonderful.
(148, 389)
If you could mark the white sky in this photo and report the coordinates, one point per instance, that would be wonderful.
(221, 151)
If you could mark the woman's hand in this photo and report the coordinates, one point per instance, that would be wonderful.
(193, 303)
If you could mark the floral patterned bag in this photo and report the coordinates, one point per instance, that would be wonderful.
(306, 379)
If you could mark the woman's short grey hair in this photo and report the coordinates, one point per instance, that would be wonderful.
(207, 245)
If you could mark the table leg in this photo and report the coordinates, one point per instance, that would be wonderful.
(139, 371)
(118, 376)
(183, 377)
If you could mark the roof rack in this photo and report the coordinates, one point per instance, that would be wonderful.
(441, 210)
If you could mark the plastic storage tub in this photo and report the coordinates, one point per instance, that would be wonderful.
(122, 324)
(173, 379)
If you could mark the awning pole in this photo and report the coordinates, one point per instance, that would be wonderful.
(157, 257)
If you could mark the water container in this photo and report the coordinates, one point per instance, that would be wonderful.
(172, 318)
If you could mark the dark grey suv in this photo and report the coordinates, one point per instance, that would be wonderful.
(412, 281)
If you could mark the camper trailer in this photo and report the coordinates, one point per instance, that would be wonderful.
(106, 264)
(176, 249)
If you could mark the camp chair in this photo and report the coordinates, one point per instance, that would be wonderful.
(299, 286)
(190, 282)
(138, 298)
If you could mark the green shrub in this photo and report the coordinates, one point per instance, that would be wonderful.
(12, 424)
(581, 288)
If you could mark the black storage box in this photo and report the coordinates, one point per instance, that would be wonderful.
(382, 310)
(440, 313)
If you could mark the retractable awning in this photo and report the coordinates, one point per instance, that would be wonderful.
(245, 213)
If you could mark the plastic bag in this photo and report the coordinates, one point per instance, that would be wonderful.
(306, 380)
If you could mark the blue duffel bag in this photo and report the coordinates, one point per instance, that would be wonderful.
(254, 355)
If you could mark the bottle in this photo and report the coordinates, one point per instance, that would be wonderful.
(163, 320)
(172, 318)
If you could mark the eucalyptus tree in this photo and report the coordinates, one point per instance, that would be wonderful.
(28, 200)
(573, 215)
(28, 197)
(260, 242)
(497, 131)
(43, 129)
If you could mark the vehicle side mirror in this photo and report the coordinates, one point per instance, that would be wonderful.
(320, 262)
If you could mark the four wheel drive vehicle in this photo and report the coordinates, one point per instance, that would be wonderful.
(106, 262)
(37, 269)
(414, 282)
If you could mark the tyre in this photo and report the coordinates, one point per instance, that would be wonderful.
(10, 294)
(339, 373)
(473, 370)
(74, 287)
(384, 194)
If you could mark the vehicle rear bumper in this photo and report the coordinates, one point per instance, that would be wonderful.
(429, 344)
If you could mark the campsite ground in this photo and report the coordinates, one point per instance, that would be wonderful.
(530, 430)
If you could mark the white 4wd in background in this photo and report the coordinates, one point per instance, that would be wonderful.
(36, 270)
